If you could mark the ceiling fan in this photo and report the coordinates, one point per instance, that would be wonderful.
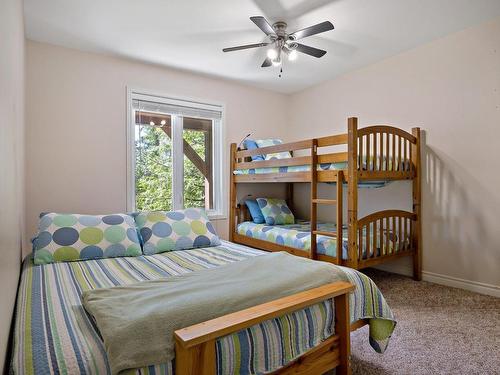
(282, 43)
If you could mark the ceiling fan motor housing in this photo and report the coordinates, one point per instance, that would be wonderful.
(280, 29)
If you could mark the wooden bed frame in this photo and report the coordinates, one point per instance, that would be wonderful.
(374, 153)
(195, 350)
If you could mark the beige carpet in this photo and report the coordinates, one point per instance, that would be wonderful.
(440, 330)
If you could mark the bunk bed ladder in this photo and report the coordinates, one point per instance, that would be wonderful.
(314, 207)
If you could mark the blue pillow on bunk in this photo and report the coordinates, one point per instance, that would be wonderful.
(250, 144)
(255, 211)
(273, 142)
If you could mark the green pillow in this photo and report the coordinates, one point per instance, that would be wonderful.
(175, 230)
(275, 211)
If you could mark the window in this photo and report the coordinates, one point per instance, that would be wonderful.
(175, 154)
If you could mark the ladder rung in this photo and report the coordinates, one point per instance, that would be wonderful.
(323, 233)
(324, 201)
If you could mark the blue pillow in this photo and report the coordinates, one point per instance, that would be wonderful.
(255, 211)
(250, 144)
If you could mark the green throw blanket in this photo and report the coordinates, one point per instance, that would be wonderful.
(130, 317)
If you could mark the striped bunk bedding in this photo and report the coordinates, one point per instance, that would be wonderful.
(293, 168)
(305, 168)
(298, 236)
(54, 334)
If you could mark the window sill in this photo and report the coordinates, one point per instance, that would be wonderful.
(217, 217)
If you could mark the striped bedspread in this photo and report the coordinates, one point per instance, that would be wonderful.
(54, 334)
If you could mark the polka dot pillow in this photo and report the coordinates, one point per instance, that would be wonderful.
(275, 211)
(175, 230)
(68, 237)
(273, 142)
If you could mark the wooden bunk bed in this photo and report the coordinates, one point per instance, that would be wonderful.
(374, 153)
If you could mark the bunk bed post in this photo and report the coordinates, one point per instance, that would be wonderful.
(417, 206)
(352, 191)
(314, 193)
(340, 195)
(232, 193)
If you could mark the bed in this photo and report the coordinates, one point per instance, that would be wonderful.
(376, 155)
(54, 334)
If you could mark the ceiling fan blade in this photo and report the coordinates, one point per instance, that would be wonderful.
(246, 46)
(312, 30)
(262, 24)
(308, 50)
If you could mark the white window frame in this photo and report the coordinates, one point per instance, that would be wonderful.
(219, 210)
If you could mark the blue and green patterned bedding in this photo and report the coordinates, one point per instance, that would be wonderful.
(293, 168)
(54, 334)
(298, 236)
(306, 168)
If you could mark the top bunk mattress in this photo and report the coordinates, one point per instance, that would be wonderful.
(384, 166)
(321, 167)
(292, 168)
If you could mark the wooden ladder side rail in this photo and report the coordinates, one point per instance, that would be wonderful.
(314, 195)
(232, 192)
(195, 348)
(340, 209)
(417, 205)
(352, 192)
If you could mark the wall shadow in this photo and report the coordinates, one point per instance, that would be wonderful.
(457, 225)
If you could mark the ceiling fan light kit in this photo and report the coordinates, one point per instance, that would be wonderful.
(281, 43)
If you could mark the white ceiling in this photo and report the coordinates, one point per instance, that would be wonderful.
(190, 34)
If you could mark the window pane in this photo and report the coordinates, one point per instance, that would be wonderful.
(198, 163)
(153, 161)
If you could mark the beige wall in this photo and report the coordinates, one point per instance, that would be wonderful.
(450, 88)
(76, 142)
(76, 125)
(11, 160)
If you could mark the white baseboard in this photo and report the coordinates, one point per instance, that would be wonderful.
(436, 278)
(455, 282)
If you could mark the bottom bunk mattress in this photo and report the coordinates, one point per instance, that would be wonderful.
(298, 236)
(55, 335)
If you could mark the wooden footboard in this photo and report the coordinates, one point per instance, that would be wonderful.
(195, 345)
(383, 235)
